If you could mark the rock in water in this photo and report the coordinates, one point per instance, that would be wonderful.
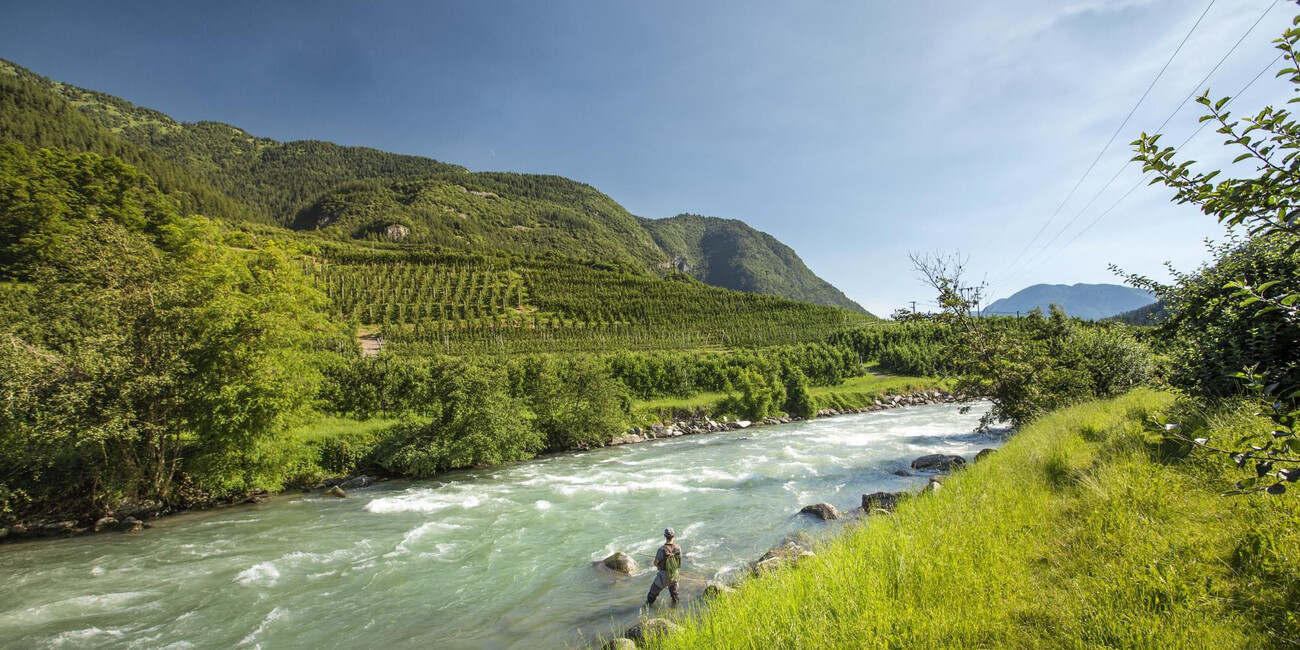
(825, 511)
(336, 491)
(131, 525)
(715, 589)
(105, 523)
(938, 463)
(621, 643)
(880, 501)
(653, 627)
(358, 482)
(984, 453)
(621, 562)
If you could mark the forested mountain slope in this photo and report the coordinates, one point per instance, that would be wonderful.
(272, 179)
(357, 193)
(728, 253)
(513, 213)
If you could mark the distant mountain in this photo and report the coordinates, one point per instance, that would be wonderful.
(728, 253)
(1090, 301)
(358, 193)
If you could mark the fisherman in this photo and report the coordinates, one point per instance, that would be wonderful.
(668, 559)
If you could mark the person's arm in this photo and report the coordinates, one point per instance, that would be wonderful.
(659, 558)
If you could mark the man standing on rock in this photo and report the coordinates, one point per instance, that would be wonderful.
(668, 560)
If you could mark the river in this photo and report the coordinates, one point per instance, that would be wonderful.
(501, 558)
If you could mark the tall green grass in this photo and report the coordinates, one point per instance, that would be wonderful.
(1079, 533)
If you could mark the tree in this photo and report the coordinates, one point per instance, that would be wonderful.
(1253, 315)
(147, 346)
(1027, 366)
(579, 405)
(478, 424)
(798, 401)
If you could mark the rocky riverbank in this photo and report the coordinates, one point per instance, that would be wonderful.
(706, 424)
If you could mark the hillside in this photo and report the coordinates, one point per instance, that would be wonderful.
(728, 253)
(359, 193)
(1090, 301)
(510, 213)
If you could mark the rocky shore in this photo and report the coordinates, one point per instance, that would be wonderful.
(705, 424)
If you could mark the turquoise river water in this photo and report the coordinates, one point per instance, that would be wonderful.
(502, 558)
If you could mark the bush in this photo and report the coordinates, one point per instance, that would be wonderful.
(479, 424)
(578, 404)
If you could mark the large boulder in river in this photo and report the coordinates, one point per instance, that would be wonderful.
(656, 627)
(105, 523)
(880, 501)
(823, 511)
(621, 562)
(336, 491)
(938, 463)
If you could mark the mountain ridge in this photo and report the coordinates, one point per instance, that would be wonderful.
(1089, 301)
(353, 192)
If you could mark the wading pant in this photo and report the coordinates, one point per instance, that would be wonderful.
(661, 581)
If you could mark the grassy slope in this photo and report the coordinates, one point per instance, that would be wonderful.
(1071, 536)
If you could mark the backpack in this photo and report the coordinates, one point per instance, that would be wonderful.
(672, 560)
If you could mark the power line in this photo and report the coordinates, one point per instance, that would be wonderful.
(1120, 171)
(1147, 176)
(1111, 140)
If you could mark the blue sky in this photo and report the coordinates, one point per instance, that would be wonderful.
(854, 132)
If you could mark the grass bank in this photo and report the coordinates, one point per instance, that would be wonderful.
(854, 392)
(1077, 534)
